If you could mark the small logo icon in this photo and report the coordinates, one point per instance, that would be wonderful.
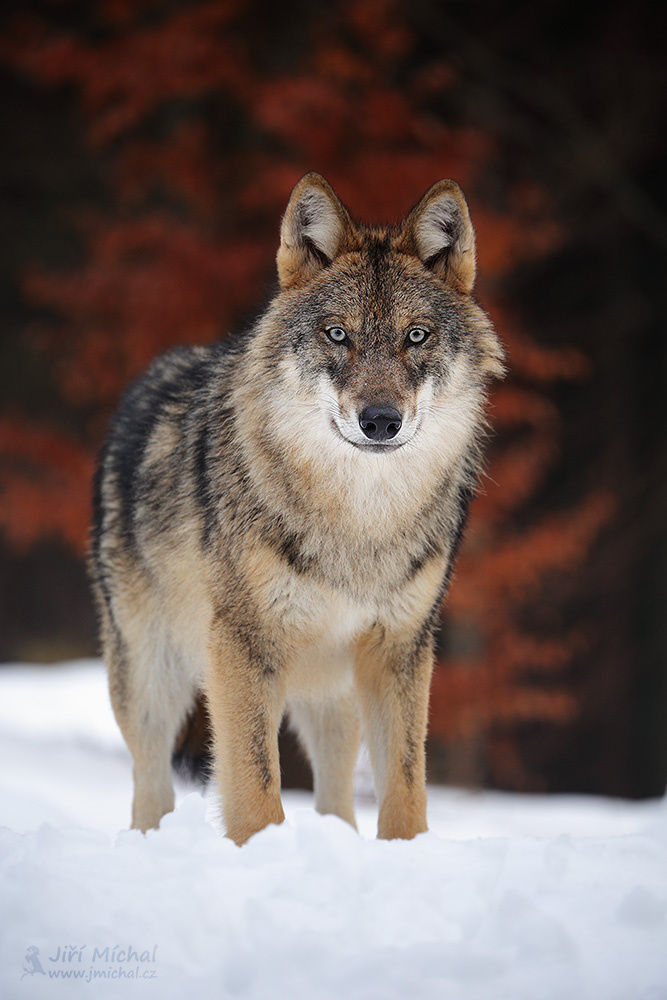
(31, 962)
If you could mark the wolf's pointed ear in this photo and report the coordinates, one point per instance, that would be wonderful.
(438, 230)
(316, 227)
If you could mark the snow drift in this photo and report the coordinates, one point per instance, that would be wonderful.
(507, 896)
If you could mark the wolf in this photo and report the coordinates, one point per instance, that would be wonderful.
(276, 517)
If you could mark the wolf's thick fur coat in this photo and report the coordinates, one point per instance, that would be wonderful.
(253, 548)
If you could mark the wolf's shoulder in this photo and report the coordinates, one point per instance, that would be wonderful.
(178, 369)
(171, 382)
(172, 390)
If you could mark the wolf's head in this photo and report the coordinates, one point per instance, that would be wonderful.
(375, 332)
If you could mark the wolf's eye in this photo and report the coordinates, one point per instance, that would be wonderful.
(417, 335)
(337, 334)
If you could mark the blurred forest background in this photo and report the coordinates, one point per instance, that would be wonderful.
(148, 150)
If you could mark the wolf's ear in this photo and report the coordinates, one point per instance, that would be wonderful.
(316, 227)
(438, 230)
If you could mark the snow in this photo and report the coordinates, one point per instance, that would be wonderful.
(507, 897)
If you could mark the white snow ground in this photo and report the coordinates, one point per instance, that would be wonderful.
(507, 897)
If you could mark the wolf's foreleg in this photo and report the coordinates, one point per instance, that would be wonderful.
(245, 687)
(393, 676)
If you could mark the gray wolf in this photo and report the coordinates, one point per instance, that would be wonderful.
(276, 517)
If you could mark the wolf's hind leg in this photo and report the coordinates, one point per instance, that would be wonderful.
(153, 788)
(330, 733)
(153, 701)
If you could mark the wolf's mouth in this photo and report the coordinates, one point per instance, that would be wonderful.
(376, 448)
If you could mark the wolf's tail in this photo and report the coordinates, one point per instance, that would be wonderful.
(192, 757)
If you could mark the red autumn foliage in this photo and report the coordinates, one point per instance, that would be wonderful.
(200, 141)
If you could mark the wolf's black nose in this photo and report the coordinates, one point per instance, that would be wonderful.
(380, 423)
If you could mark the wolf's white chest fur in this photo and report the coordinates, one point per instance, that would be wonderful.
(323, 665)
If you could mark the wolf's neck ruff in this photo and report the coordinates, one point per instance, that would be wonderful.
(276, 518)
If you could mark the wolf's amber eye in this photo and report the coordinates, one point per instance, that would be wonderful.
(417, 335)
(337, 334)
